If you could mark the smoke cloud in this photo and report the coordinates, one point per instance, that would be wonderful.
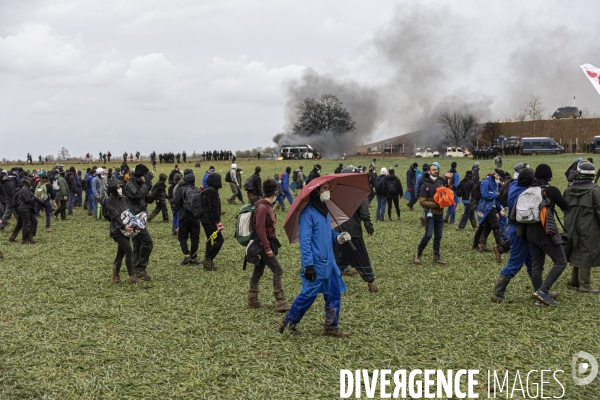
(439, 58)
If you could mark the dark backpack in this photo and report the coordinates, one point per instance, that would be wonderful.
(475, 194)
(104, 209)
(228, 177)
(295, 175)
(249, 184)
(380, 185)
(391, 187)
(192, 201)
(84, 184)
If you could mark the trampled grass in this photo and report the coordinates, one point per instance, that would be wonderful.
(66, 333)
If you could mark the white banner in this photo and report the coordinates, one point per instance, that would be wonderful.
(593, 75)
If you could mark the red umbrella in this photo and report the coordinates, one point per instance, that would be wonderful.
(348, 191)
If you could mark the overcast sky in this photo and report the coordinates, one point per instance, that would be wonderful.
(197, 75)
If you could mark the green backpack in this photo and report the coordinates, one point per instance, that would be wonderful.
(244, 229)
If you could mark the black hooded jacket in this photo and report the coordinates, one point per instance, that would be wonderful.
(159, 191)
(188, 181)
(26, 198)
(211, 202)
(136, 194)
(115, 206)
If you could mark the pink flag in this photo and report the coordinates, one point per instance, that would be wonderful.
(593, 75)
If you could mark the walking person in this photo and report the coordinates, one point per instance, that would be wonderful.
(285, 186)
(411, 182)
(463, 191)
(174, 209)
(188, 225)
(253, 186)
(72, 185)
(489, 210)
(315, 173)
(91, 203)
(238, 175)
(211, 220)
(234, 184)
(453, 180)
(358, 258)
(299, 179)
(62, 195)
(78, 184)
(10, 187)
(136, 191)
(393, 189)
(583, 228)
(99, 191)
(380, 184)
(159, 192)
(320, 274)
(43, 191)
(262, 250)
(116, 205)
(26, 209)
(434, 221)
(543, 244)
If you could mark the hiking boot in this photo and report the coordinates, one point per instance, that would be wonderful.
(115, 278)
(24, 241)
(134, 280)
(290, 328)
(281, 303)
(338, 333)
(89, 213)
(573, 281)
(142, 274)
(458, 228)
(551, 294)
(544, 298)
(499, 288)
(417, 257)
(12, 238)
(498, 253)
(584, 281)
(31, 241)
(411, 209)
(372, 287)
(48, 230)
(483, 249)
(253, 299)
(208, 265)
(194, 262)
(437, 260)
(186, 259)
(350, 272)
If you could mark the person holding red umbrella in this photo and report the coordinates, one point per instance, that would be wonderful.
(320, 273)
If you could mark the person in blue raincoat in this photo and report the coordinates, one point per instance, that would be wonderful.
(320, 273)
(489, 210)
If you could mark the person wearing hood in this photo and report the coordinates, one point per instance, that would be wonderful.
(571, 172)
(583, 227)
(488, 211)
(380, 193)
(174, 210)
(339, 168)
(392, 191)
(209, 171)
(136, 191)
(234, 184)
(116, 204)
(452, 178)
(211, 220)
(71, 179)
(9, 189)
(299, 179)
(91, 204)
(315, 173)
(62, 195)
(44, 192)
(253, 186)
(464, 189)
(285, 186)
(475, 170)
(188, 225)
(262, 250)
(411, 182)
(99, 191)
(543, 244)
(27, 220)
(320, 274)
(159, 192)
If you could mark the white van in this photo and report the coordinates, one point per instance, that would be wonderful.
(454, 152)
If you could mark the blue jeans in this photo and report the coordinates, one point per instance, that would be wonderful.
(91, 204)
(434, 226)
(175, 223)
(72, 202)
(48, 207)
(79, 198)
(469, 214)
(520, 253)
(280, 201)
(380, 210)
(333, 302)
(413, 198)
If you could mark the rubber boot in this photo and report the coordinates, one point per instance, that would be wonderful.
(437, 260)
(482, 245)
(499, 288)
(115, 273)
(134, 280)
(281, 303)
(253, 299)
(372, 287)
(291, 328)
(417, 257)
(498, 248)
(573, 281)
(584, 281)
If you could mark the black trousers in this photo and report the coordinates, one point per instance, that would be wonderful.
(273, 265)
(212, 249)
(62, 209)
(161, 205)
(396, 201)
(541, 245)
(189, 226)
(124, 250)
(28, 222)
(142, 248)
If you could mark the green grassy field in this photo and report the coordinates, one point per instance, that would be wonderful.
(66, 333)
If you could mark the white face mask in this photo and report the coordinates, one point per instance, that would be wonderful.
(325, 196)
(120, 192)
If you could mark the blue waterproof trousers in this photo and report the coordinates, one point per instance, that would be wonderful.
(302, 303)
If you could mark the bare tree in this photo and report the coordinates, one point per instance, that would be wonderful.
(534, 109)
(457, 127)
(327, 114)
(491, 130)
(277, 138)
(63, 153)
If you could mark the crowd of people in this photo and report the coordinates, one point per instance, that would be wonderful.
(518, 210)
